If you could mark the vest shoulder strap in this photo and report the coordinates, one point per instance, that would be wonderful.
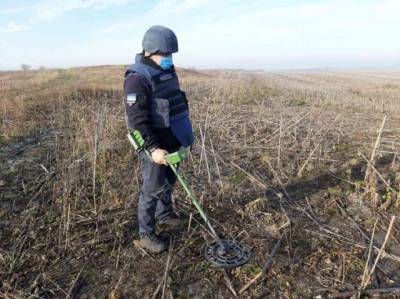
(132, 71)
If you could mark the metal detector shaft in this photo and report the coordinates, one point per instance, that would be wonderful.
(194, 201)
(136, 139)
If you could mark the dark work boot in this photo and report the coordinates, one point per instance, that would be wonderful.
(151, 242)
(172, 221)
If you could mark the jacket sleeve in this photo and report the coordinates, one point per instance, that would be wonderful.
(137, 92)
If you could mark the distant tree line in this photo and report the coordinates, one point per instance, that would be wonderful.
(27, 67)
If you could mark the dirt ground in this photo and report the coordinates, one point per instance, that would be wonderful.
(306, 160)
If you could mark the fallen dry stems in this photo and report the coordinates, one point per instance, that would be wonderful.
(316, 147)
(377, 142)
(228, 282)
(377, 172)
(365, 276)
(380, 250)
(267, 265)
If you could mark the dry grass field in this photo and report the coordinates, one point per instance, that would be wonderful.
(310, 160)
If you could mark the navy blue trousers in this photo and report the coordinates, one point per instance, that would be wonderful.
(155, 193)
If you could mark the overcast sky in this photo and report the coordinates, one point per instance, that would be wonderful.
(267, 34)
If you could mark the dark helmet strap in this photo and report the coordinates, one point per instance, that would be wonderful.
(151, 54)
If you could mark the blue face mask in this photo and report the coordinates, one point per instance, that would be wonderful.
(166, 62)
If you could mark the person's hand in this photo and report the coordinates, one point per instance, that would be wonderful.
(158, 156)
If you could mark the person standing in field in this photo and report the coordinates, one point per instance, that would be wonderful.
(156, 107)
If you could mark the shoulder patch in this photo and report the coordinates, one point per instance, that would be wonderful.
(131, 98)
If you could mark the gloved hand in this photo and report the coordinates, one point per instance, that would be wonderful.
(158, 156)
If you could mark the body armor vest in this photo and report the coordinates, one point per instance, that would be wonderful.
(168, 104)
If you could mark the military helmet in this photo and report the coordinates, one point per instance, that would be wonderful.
(160, 39)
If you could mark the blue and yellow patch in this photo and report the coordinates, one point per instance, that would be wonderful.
(131, 98)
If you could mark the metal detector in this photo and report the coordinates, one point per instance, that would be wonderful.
(222, 252)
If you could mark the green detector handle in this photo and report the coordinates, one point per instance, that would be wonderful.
(136, 140)
(176, 157)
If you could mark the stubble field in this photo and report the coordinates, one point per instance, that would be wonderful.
(309, 161)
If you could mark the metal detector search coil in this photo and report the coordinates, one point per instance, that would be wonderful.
(227, 254)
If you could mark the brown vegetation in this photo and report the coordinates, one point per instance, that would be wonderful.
(308, 158)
